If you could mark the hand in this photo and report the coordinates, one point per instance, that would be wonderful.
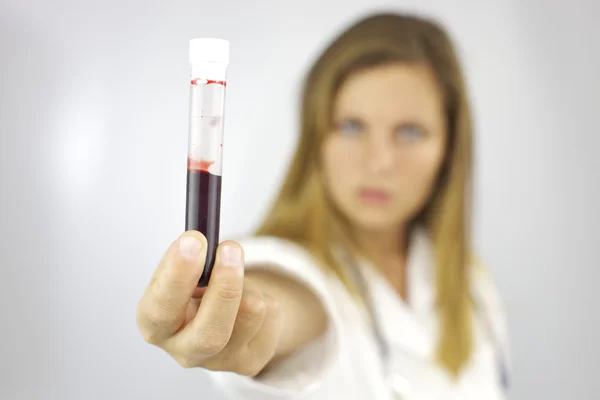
(232, 325)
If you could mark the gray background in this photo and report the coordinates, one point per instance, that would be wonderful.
(93, 139)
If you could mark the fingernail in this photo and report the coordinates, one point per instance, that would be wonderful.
(189, 248)
(231, 255)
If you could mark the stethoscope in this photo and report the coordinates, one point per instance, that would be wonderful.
(398, 384)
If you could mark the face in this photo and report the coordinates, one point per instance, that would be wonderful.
(386, 147)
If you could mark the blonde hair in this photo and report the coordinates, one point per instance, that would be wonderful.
(302, 212)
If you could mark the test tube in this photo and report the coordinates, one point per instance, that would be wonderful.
(209, 60)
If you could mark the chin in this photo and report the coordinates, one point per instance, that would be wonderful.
(376, 220)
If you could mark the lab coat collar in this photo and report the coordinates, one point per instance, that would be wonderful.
(409, 327)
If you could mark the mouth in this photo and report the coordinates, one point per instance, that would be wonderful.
(374, 196)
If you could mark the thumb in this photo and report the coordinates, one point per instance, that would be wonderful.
(162, 309)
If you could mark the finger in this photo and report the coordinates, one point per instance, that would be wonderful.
(249, 319)
(257, 316)
(199, 292)
(266, 339)
(211, 328)
(263, 346)
(162, 310)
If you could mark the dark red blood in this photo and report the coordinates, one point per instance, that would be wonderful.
(203, 212)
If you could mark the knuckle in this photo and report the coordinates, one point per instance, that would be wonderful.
(229, 292)
(210, 344)
(150, 337)
(244, 363)
(159, 317)
(247, 362)
(251, 367)
(186, 362)
(226, 361)
(252, 307)
(151, 321)
(273, 306)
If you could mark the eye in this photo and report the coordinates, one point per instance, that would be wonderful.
(350, 127)
(410, 133)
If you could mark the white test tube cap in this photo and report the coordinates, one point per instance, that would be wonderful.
(203, 50)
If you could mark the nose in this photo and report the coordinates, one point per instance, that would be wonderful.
(379, 153)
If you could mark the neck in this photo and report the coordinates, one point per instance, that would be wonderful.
(380, 244)
(387, 250)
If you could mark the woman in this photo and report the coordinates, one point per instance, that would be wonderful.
(360, 283)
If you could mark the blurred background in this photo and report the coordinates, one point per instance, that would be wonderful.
(93, 142)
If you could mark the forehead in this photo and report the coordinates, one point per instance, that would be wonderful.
(401, 90)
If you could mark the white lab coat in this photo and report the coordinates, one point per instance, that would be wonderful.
(345, 364)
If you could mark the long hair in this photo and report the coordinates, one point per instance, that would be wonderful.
(302, 211)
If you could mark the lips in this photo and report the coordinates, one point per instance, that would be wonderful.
(374, 196)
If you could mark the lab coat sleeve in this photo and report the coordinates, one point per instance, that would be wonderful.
(306, 371)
